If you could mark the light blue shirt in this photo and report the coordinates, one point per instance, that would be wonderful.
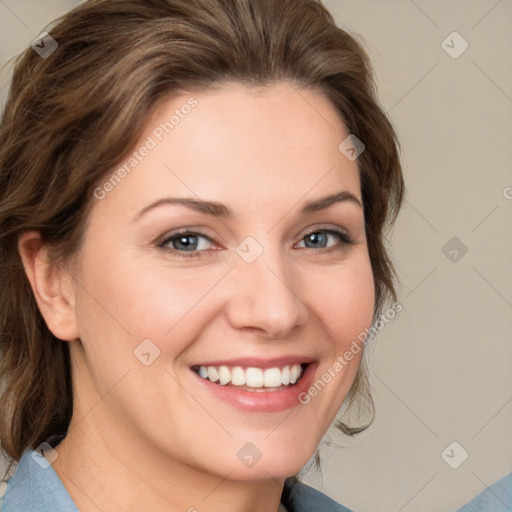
(496, 498)
(36, 487)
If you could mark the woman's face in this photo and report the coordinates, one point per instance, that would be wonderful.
(261, 265)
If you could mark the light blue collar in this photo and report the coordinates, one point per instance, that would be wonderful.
(35, 486)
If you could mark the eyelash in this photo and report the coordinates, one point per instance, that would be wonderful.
(344, 237)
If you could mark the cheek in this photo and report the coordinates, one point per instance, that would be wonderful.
(346, 302)
(128, 300)
(163, 300)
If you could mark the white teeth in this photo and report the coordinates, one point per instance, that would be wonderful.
(294, 373)
(285, 376)
(213, 374)
(252, 377)
(237, 376)
(272, 378)
(224, 375)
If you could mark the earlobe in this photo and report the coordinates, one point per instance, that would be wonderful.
(51, 285)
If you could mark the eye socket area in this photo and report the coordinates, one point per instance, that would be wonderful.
(182, 238)
(190, 242)
(320, 236)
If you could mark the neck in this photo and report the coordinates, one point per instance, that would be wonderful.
(103, 471)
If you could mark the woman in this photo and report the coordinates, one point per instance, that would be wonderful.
(194, 196)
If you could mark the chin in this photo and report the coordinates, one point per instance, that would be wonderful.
(269, 461)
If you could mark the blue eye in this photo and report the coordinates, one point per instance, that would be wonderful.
(320, 239)
(191, 244)
(186, 241)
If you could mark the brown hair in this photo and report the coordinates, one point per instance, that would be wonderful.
(70, 119)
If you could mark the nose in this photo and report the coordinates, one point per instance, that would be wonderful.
(263, 297)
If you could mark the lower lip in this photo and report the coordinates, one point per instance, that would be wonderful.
(268, 401)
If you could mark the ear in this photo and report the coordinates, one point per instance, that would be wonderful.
(52, 287)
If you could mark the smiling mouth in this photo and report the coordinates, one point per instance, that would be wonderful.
(253, 378)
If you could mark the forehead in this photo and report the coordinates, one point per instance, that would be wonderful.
(242, 145)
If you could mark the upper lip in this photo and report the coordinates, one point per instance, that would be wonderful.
(256, 362)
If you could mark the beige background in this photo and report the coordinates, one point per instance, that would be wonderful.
(441, 369)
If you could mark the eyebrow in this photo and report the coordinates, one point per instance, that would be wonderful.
(217, 209)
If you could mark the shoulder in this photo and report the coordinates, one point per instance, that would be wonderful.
(497, 497)
(299, 497)
(35, 486)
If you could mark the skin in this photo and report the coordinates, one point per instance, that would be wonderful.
(153, 432)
